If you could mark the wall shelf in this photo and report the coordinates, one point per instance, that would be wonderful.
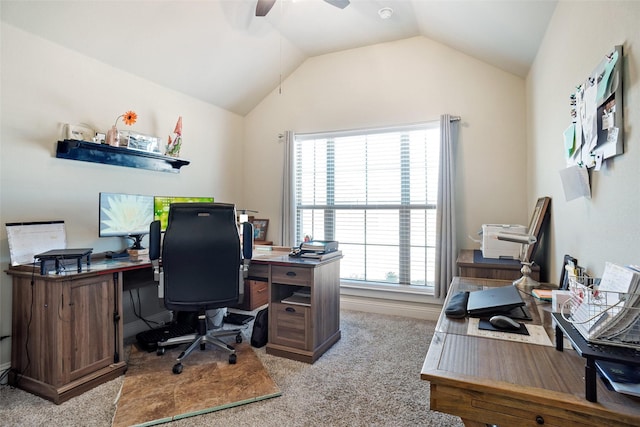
(119, 156)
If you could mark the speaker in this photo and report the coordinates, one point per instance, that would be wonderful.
(247, 240)
(154, 240)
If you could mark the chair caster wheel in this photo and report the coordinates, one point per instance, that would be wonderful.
(177, 368)
(160, 351)
(233, 358)
(202, 346)
(239, 338)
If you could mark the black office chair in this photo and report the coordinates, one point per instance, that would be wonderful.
(201, 262)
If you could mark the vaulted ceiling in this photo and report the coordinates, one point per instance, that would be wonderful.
(220, 52)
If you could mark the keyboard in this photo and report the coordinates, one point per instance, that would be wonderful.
(148, 340)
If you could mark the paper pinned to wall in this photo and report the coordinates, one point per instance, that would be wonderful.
(575, 182)
(27, 239)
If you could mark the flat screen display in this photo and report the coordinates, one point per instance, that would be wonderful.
(126, 215)
(161, 206)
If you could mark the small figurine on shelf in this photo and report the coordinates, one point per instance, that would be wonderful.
(113, 137)
(173, 146)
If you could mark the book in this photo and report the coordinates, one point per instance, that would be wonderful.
(542, 294)
(321, 256)
(297, 299)
(622, 378)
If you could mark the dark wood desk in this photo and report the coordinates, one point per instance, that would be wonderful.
(67, 329)
(493, 381)
(472, 264)
(304, 330)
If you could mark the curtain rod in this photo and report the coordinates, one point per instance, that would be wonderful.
(454, 118)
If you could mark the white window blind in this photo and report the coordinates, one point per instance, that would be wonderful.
(375, 192)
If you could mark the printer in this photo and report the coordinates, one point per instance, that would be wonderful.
(494, 248)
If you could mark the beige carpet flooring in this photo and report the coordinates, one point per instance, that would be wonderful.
(371, 377)
(152, 394)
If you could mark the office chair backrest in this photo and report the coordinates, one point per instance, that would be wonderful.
(201, 257)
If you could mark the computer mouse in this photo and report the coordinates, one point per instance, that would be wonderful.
(504, 323)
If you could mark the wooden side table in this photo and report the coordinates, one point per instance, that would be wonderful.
(472, 264)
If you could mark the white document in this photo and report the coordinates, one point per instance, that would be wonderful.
(29, 239)
(575, 182)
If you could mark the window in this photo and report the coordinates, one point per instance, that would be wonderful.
(375, 192)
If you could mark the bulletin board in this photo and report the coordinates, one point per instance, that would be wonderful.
(597, 131)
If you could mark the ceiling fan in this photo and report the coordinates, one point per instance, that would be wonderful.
(264, 6)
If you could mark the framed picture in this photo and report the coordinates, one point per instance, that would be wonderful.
(260, 227)
(540, 215)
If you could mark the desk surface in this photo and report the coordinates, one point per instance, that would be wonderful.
(99, 265)
(493, 381)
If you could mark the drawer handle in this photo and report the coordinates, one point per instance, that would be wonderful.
(539, 420)
(290, 309)
(291, 273)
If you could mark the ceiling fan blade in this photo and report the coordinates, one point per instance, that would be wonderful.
(263, 7)
(338, 3)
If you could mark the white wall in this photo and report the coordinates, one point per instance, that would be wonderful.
(407, 81)
(607, 227)
(43, 86)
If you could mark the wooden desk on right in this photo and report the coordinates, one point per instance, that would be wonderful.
(507, 383)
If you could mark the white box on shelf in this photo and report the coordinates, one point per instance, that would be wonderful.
(494, 248)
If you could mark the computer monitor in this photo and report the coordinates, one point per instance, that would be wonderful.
(161, 206)
(125, 215)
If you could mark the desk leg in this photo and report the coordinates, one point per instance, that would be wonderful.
(590, 380)
(559, 339)
(116, 319)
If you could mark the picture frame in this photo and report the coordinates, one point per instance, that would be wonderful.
(538, 218)
(564, 277)
(260, 227)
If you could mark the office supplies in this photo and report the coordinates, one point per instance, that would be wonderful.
(319, 246)
(622, 378)
(543, 294)
(486, 325)
(494, 301)
(29, 238)
(503, 322)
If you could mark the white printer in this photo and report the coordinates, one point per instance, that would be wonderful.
(494, 248)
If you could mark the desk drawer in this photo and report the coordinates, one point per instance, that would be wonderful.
(290, 326)
(291, 275)
(256, 293)
(259, 271)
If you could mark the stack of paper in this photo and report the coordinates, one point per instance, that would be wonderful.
(610, 311)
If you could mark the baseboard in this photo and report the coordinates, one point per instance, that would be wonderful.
(130, 329)
(395, 308)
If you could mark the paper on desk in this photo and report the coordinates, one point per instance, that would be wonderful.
(537, 334)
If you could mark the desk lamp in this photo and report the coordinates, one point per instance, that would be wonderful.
(526, 283)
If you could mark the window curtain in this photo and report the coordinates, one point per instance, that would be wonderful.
(446, 248)
(287, 231)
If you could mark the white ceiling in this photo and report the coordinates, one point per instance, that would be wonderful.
(220, 52)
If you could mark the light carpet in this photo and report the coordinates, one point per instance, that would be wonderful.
(152, 394)
(371, 377)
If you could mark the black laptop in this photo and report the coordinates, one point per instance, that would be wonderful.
(493, 301)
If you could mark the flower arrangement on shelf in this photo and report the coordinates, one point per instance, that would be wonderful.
(173, 146)
(129, 118)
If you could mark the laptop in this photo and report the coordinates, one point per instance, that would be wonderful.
(494, 301)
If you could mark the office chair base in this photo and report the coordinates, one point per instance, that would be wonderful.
(196, 340)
